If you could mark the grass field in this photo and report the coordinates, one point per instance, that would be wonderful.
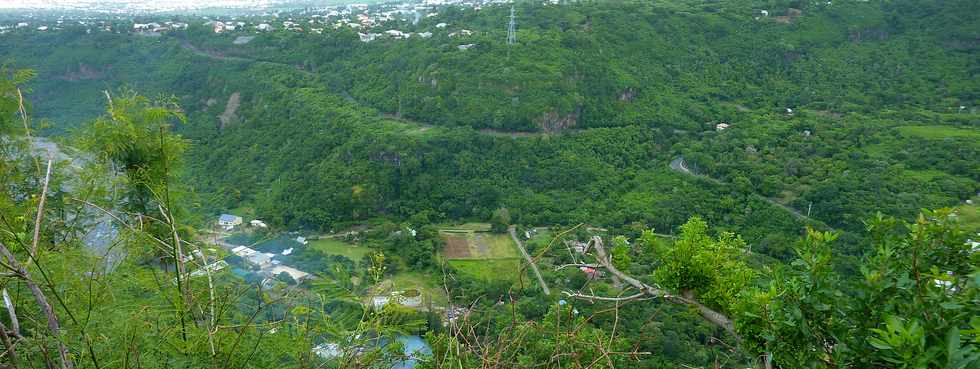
(475, 227)
(335, 247)
(422, 282)
(939, 132)
(969, 215)
(495, 269)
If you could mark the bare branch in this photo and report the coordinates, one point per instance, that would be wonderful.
(14, 323)
(707, 313)
(40, 212)
(578, 265)
(577, 295)
(42, 302)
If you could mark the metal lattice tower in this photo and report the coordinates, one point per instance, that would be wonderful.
(512, 29)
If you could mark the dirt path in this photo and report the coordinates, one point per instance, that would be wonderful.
(680, 165)
(527, 257)
(213, 55)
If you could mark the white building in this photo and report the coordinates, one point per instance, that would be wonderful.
(298, 275)
(327, 350)
(368, 37)
(243, 251)
(228, 220)
(394, 33)
(264, 27)
(721, 126)
(258, 224)
(259, 260)
(425, 34)
(380, 301)
(410, 298)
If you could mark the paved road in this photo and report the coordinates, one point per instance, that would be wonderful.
(680, 165)
(520, 246)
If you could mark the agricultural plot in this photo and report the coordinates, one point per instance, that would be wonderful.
(332, 246)
(495, 269)
(480, 254)
(461, 244)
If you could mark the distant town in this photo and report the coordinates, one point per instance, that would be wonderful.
(371, 21)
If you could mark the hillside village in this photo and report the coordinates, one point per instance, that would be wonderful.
(370, 21)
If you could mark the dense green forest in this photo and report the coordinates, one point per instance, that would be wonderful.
(752, 185)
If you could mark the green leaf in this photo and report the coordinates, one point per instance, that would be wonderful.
(879, 344)
(951, 306)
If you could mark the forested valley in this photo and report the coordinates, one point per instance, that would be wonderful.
(679, 184)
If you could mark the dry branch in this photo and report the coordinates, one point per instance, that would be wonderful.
(53, 325)
(688, 298)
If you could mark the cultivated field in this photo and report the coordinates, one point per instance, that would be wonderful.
(481, 254)
(463, 244)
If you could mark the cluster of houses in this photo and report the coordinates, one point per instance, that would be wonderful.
(365, 19)
(407, 298)
(229, 222)
(267, 266)
(158, 27)
(57, 25)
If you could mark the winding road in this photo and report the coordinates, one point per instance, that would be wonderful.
(679, 165)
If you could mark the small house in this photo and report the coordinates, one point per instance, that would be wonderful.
(410, 298)
(259, 260)
(297, 275)
(258, 224)
(592, 273)
(460, 33)
(721, 126)
(228, 220)
(380, 301)
(368, 37)
(327, 350)
(577, 246)
(243, 251)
